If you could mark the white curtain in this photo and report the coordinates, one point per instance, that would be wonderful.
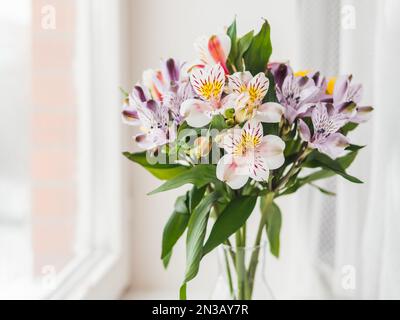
(349, 246)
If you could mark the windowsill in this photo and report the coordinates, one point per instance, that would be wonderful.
(160, 295)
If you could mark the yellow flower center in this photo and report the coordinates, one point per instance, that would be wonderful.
(247, 142)
(211, 89)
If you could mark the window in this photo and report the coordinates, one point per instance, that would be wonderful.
(59, 219)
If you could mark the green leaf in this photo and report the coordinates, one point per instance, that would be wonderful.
(218, 122)
(195, 196)
(271, 93)
(347, 160)
(354, 147)
(160, 171)
(166, 259)
(273, 225)
(175, 227)
(196, 233)
(182, 292)
(199, 176)
(324, 191)
(348, 127)
(232, 33)
(316, 159)
(243, 45)
(257, 56)
(229, 221)
(178, 221)
(270, 128)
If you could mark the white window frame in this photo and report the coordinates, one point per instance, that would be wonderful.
(103, 61)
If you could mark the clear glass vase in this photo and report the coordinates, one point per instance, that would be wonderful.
(242, 274)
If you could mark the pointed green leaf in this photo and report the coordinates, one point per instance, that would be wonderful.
(175, 227)
(322, 190)
(229, 221)
(199, 176)
(316, 159)
(196, 233)
(271, 93)
(232, 33)
(273, 225)
(243, 45)
(257, 56)
(160, 171)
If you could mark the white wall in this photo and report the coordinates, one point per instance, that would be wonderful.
(162, 29)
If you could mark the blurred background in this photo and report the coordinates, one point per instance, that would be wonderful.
(75, 221)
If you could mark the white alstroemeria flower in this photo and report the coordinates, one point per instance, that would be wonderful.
(248, 93)
(208, 83)
(249, 154)
(213, 49)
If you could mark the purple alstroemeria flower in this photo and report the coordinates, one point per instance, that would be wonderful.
(326, 138)
(157, 131)
(172, 82)
(296, 93)
(138, 96)
(151, 116)
(347, 96)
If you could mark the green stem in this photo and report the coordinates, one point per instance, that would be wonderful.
(228, 270)
(269, 198)
(240, 267)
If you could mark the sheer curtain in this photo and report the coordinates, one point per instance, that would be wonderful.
(348, 246)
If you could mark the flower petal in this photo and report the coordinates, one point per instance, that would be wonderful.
(219, 47)
(153, 80)
(238, 81)
(363, 114)
(232, 171)
(254, 130)
(271, 149)
(270, 112)
(258, 169)
(130, 116)
(340, 89)
(214, 49)
(304, 130)
(144, 142)
(334, 146)
(208, 82)
(258, 87)
(196, 112)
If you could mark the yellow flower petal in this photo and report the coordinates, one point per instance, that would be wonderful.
(331, 85)
(302, 73)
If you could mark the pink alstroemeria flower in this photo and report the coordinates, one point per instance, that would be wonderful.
(247, 93)
(326, 138)
(249, 154)
(208, 83)
(214, 49)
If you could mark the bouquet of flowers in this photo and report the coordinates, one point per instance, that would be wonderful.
(238, 128)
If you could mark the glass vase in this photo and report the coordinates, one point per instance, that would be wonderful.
(242, 274)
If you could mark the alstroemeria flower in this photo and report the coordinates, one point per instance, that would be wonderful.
(249, 154)
(154, 119)
(297, 95)
(246, 95)
(214, 49)
(345, 93)
(326, 138)
(138, 96)
(208, 83)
